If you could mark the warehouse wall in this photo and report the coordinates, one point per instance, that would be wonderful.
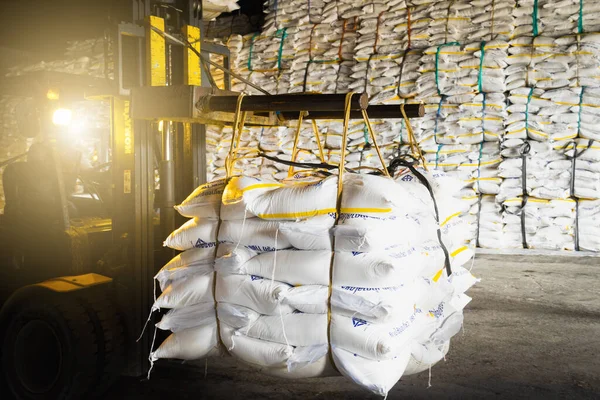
(511, 89)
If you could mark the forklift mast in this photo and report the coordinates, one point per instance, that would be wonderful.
(143, 57)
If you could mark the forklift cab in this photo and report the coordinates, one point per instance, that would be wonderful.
(79, 246)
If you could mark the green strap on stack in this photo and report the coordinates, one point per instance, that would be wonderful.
(535, 18)
(437, 155)
(437, 59)
(527, 111)
(483, 117)
(579, 113)
(481, 66)
(250, 52)
(283, 33)
(580, 20)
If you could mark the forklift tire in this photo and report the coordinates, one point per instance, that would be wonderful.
(58, 345)
(110, 332)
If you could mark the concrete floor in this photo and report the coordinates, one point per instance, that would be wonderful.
(531, 331)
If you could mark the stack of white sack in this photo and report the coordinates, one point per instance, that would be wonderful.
(463, 119)
(82, 57)
(586, 163)
(261, 59)
(291, 13)
(485, 221)
(554, 115)
(433, 23)
(386, 309)
(555, 18)
(548, 174)
(323, 58)
(218, 143)
(548, 224)
(238, 61)
(378, 52)
(549, 63)
(235, 24)
(454, 69)
(588, 223)
(475, 165)
(211, 9)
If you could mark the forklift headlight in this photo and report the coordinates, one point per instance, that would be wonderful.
(62, 116)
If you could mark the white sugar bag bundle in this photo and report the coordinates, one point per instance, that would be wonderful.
(179, 319)
(436, 23)
(452, 69)
(475, 165)
(186, 263)
(321, 59)
(543, 115)
(253, 292)
(548, 174)
(374, 341)
(549, 224)
(293, 199)
(413, 29)
(296, 329)
(378, 75)
(189, 344)
(261, 286)
(588, 113)
(289, 13)
(290, 266)
(551, 63)
(204, 201)
(588, 215)
(225, 26)
(201, 233)
(555, 18)
(187, 291)
(464, 119)
(487, 220)
(360, 369)
(584, 155)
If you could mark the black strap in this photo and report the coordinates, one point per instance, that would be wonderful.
(400, 73)
(366, 86)
(576, 224)
(573, 159)
(480, 196)
(401, 162)
(305, 80)
(524, 151)
(299, 164)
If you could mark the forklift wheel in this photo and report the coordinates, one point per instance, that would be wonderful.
(58, 345)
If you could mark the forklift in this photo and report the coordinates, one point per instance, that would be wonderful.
(77, 270)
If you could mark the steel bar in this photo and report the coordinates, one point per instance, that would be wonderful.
(383, 111)
(283, 103)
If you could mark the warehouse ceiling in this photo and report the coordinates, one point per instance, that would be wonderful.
(42, 27)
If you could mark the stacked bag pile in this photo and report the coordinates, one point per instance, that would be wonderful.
(555, 18)
(494, 76)
(225, 26)
(432, 23)
(283, 277)
(82, 57)
(211, 9)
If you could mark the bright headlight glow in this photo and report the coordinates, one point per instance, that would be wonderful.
(62, 116)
